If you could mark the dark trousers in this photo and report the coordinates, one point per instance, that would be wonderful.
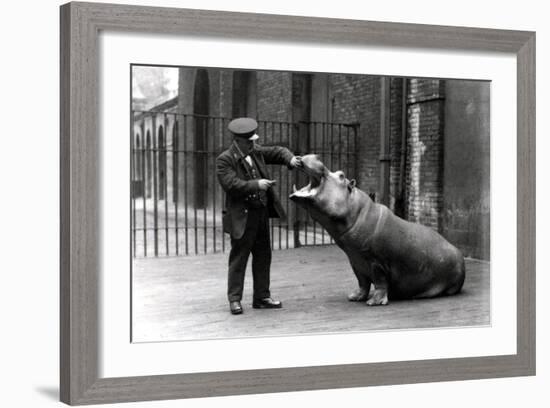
(255, 241)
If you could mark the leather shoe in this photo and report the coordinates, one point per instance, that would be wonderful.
(266, 303)
(235, 307)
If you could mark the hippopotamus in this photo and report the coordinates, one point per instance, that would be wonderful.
(401, 259)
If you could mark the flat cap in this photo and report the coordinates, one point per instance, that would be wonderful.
(244, 127)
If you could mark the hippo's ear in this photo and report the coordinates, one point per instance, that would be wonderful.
(351, 185)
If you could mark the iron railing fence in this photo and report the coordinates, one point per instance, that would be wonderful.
(176, 200)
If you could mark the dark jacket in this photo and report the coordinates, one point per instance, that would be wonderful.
(236, 182)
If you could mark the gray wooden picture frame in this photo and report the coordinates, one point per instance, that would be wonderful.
(80, 191)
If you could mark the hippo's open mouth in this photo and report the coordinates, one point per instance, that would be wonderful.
(315, 170)
(308, 190)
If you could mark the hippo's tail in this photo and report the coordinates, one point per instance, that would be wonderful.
(459, 277)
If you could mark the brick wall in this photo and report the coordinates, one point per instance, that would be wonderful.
(425, 152)
(274, 95)
(355, 98)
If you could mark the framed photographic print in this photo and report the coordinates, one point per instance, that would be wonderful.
(308, 193)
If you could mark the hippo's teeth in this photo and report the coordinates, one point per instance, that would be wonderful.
(302, 193)
(294, 188)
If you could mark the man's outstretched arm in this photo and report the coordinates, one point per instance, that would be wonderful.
(279, 155)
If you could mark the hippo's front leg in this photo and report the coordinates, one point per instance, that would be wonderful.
(359, 295)
(362, 292)
(379, 297)
(380, 294)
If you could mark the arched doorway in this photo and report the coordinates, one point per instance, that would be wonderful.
(137, 157)
(201, 111)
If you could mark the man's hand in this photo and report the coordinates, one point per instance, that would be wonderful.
(296, 161)
(264, 184)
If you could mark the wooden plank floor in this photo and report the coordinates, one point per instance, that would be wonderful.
(184, 298)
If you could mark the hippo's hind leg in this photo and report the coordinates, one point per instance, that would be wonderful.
(449, 283)
(362, 292)
(459, 276)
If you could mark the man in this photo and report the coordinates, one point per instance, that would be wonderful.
(250, 202)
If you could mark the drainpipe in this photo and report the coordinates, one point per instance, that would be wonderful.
(385, 140)
(400, 209)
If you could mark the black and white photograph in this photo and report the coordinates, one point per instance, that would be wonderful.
(275, 203)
